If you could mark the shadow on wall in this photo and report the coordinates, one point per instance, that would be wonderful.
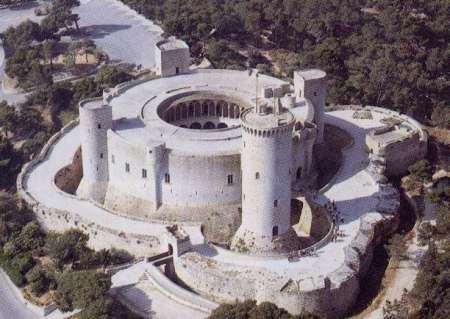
(68, 178)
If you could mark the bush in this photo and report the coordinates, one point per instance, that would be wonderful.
(38, 280)
(77, 289)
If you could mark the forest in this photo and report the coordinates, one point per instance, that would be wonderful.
(390, 53)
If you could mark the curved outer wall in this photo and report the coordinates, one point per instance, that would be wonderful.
(94, 123)
(266, 200)
(191, 182)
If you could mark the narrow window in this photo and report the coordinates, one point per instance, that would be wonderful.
(257, 175)
(177, 70)
(299, 173)
(99, 126)
(113, 159)
(127, 167)
(167, 178)
(101, 155)
(275, 203)
(275, 231)
(144, 173)
(230, 179)
(315, 93)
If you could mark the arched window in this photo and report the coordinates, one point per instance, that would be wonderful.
(196, 126)
(167, 178)
(275, 203)
(257, 175)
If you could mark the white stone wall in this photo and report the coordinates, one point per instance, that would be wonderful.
(266, 191)
(194, 180)
(94, 122)
(313, 88)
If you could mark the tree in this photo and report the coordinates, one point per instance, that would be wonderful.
(8, 118)
(50, 50)
(38, 280)
(66, 247)
(77, 289)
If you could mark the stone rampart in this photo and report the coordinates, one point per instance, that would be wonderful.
(60, 220)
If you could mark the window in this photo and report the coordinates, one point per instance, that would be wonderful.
(127, 167)
(99, 126)
(144, 173)
(299, 173)
(257, 175)
(275, 231)
(275, 203)
(167, 178)
(101, 155)
(113, 159)
(315, 93)
(230, 179)
(177, 70)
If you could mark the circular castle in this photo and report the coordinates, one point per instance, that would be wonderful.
(224, 169)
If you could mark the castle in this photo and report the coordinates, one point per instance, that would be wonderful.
(220, 168)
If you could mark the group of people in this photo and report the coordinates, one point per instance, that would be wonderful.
(336, 219)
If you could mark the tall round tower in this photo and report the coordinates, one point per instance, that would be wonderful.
(95, 121)
(266, 189)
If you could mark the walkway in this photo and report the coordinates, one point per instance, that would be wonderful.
(146, 289)
(11, 304)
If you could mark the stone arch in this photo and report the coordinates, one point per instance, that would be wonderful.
(177, 112)
(209, 126)
(204, 108)
(222, 125)
(191, 110)
(218, 109)
(195, 126)
(212, 109)
(184, 111)
(198, 109)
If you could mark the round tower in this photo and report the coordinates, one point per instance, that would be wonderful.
(95, 121)
(266, 188)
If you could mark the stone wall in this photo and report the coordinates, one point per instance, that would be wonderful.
(59, 220)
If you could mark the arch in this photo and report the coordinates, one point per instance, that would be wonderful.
(183, 126)
(209, 126)
(222, 125)
(212, 109)
(205, 108)
(177, 112)
(184, 111)
(191, 110)
(195, 126)
(218, 109)
(224, 108)
(198, 109)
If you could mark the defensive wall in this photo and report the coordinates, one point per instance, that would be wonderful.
(59, 220)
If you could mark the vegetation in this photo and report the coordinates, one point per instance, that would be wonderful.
(250, 310)
(58, 262)
(390, 53)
